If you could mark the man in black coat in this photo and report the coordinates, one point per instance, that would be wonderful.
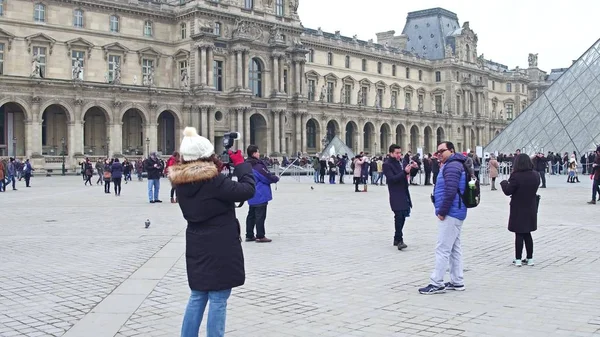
(154, 168)
(595, 171)
(395, 174)
(435, 167)
(539, 164)
(427, 166)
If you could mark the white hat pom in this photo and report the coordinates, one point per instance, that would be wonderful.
(190, 131)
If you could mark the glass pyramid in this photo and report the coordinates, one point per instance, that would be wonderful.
(337, 147)
(565, 118)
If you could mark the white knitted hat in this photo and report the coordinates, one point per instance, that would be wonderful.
(194, 146)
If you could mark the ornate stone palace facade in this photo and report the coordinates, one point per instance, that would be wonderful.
(123, 78)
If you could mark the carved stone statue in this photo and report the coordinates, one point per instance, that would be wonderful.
(359, 98)
(432, 104)
(393, 105)
(275, 35)
(294, 6)
(377, 100)
(355, 38)
(323, 93)
(448, 51)
(338, 35)
(319, 32)
(151, 77)
(407, 102)
(36, 69)
(533, 60)
(268, 3)
(298, 43)
(117, 73)
(184, 79)
(134, 79)
(342, 96)
(77, 68)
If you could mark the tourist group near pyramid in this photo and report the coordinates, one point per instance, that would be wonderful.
(565, 118)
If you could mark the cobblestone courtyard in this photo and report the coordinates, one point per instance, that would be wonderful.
(78, 263)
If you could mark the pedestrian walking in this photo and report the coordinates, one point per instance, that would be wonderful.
(117, 176)
(27, 172)
(154, 168)
(493, 169)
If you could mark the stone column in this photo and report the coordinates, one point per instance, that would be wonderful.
(479, 133)
(230, 80)
(276, 130)
(196, 66)
(240, 129)
(276, 87)
(240, 69)
(246, 68)
(211, 78)
(152, 133)
(298, 126)
(297, 76)
(203, 66)
(359, 139)
(303, 80)
(281, 77)
(204, 122)
(247, 114)
(211, 125)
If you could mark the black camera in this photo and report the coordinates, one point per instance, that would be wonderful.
(228, 139)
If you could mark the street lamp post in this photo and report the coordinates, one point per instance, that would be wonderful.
(107, 144)
(14, 147)
(375, 150)
(147, 146)
(62, 141)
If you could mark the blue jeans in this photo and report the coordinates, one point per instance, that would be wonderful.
(217, 312)
(11, 178)
(156, 184)
(316, 176)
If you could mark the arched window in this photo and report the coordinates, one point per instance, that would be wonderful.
(311, 134)
(39, 13)
(148, 28)
(255, 77)
(347, 61)
(329, 59)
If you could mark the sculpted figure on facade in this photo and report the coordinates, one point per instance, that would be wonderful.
(448, 51)
(117, 73)
(323, 93)
(297, 43)
(533, 60)
(184, 79)
(359, 98)
(246, 29)
(355, 38)
(342, 96)
(294, 4)
(36, 69)
(134, 79)
(319, 32)
(76, 70)
(275, 35)
(407, 102)
(393, 105)
(377, 100)
(432, 104)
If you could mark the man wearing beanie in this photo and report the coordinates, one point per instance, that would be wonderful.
(213, 249)
(154, 168)
(257, 212)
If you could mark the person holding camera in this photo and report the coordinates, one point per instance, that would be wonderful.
(214, 257)
(154, 168)
(257, 212)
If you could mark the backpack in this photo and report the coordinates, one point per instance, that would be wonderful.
(352, 165)
(472, 196)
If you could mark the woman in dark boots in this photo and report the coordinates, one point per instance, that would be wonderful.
(117, 176)
(107, 176)
(493, 164)
(323, 168)
(522, 187)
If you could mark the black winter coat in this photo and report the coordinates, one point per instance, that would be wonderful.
(395, 177)
(153, 172)
(522, 188)
(213, 250)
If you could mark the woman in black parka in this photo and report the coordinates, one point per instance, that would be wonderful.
(522, 188)
(214, 258)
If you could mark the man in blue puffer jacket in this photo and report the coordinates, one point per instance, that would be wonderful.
(451, 213)
(257, 212)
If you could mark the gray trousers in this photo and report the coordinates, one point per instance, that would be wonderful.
(448, 249)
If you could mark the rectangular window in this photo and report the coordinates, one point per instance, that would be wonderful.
(39, 13)
(329, 92)
(438, 104)
(523, 88)
(285, 80)
(408, 73)
(183, 31)
(394, 70)
(218, 74)
(77, 18)
(420, 75)
(457, 76)
(279, 7)
(1, 58)
(329, 59)
(1, 7)
(311, 90)
(407, 102)
(508, 87)
(311, 56)
(114, 23)
(509, 112)
(379, 98)
(148, 28)
(364, 65)
(183, 67)
(78, 56)
(217, 31)
(248, 4)
(147, 65)
(493, 85)
(438, 76)
(41, 51)
(113, 61)
(379, 66)
(347, 94)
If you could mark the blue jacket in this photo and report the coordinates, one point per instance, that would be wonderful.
(451, 178)
(263, 179)
(397, 185)
(116, 170)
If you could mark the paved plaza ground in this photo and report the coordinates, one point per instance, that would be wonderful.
(76, 262)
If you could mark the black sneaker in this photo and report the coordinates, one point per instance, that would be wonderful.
(402, 245)
(159, 201)
(152, 201)
(396, 242)
(251, 239)
(456, 287)
(431, 290)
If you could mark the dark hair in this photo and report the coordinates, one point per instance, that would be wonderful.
(252, 149)
(522, 163)
(116, 160)
(449, 145)
(175, 154)
(393, 148)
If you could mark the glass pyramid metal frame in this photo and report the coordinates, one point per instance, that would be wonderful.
(565, 118)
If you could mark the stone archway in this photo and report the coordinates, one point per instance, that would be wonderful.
(95, 132)
(441, 135)
(384, 138)
(167, 138)
(400, 137)
(312, 135)
(55, 132)
(350, 137)
(259, 135)
(428, 134)
(333, 129)
(12, 127)
(134, 133)
(368, 141)
(414, 139)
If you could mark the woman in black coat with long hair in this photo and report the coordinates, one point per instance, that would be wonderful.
(213, 252)
(522, 187)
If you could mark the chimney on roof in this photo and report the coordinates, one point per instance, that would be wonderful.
(392, 41)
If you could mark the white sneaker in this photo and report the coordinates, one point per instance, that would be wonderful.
(517, 263)
(528, 262)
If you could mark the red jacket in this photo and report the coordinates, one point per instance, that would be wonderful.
(172, 161)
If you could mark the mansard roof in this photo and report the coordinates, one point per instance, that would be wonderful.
(427, 31)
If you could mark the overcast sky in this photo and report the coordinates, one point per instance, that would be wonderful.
(508, 30)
